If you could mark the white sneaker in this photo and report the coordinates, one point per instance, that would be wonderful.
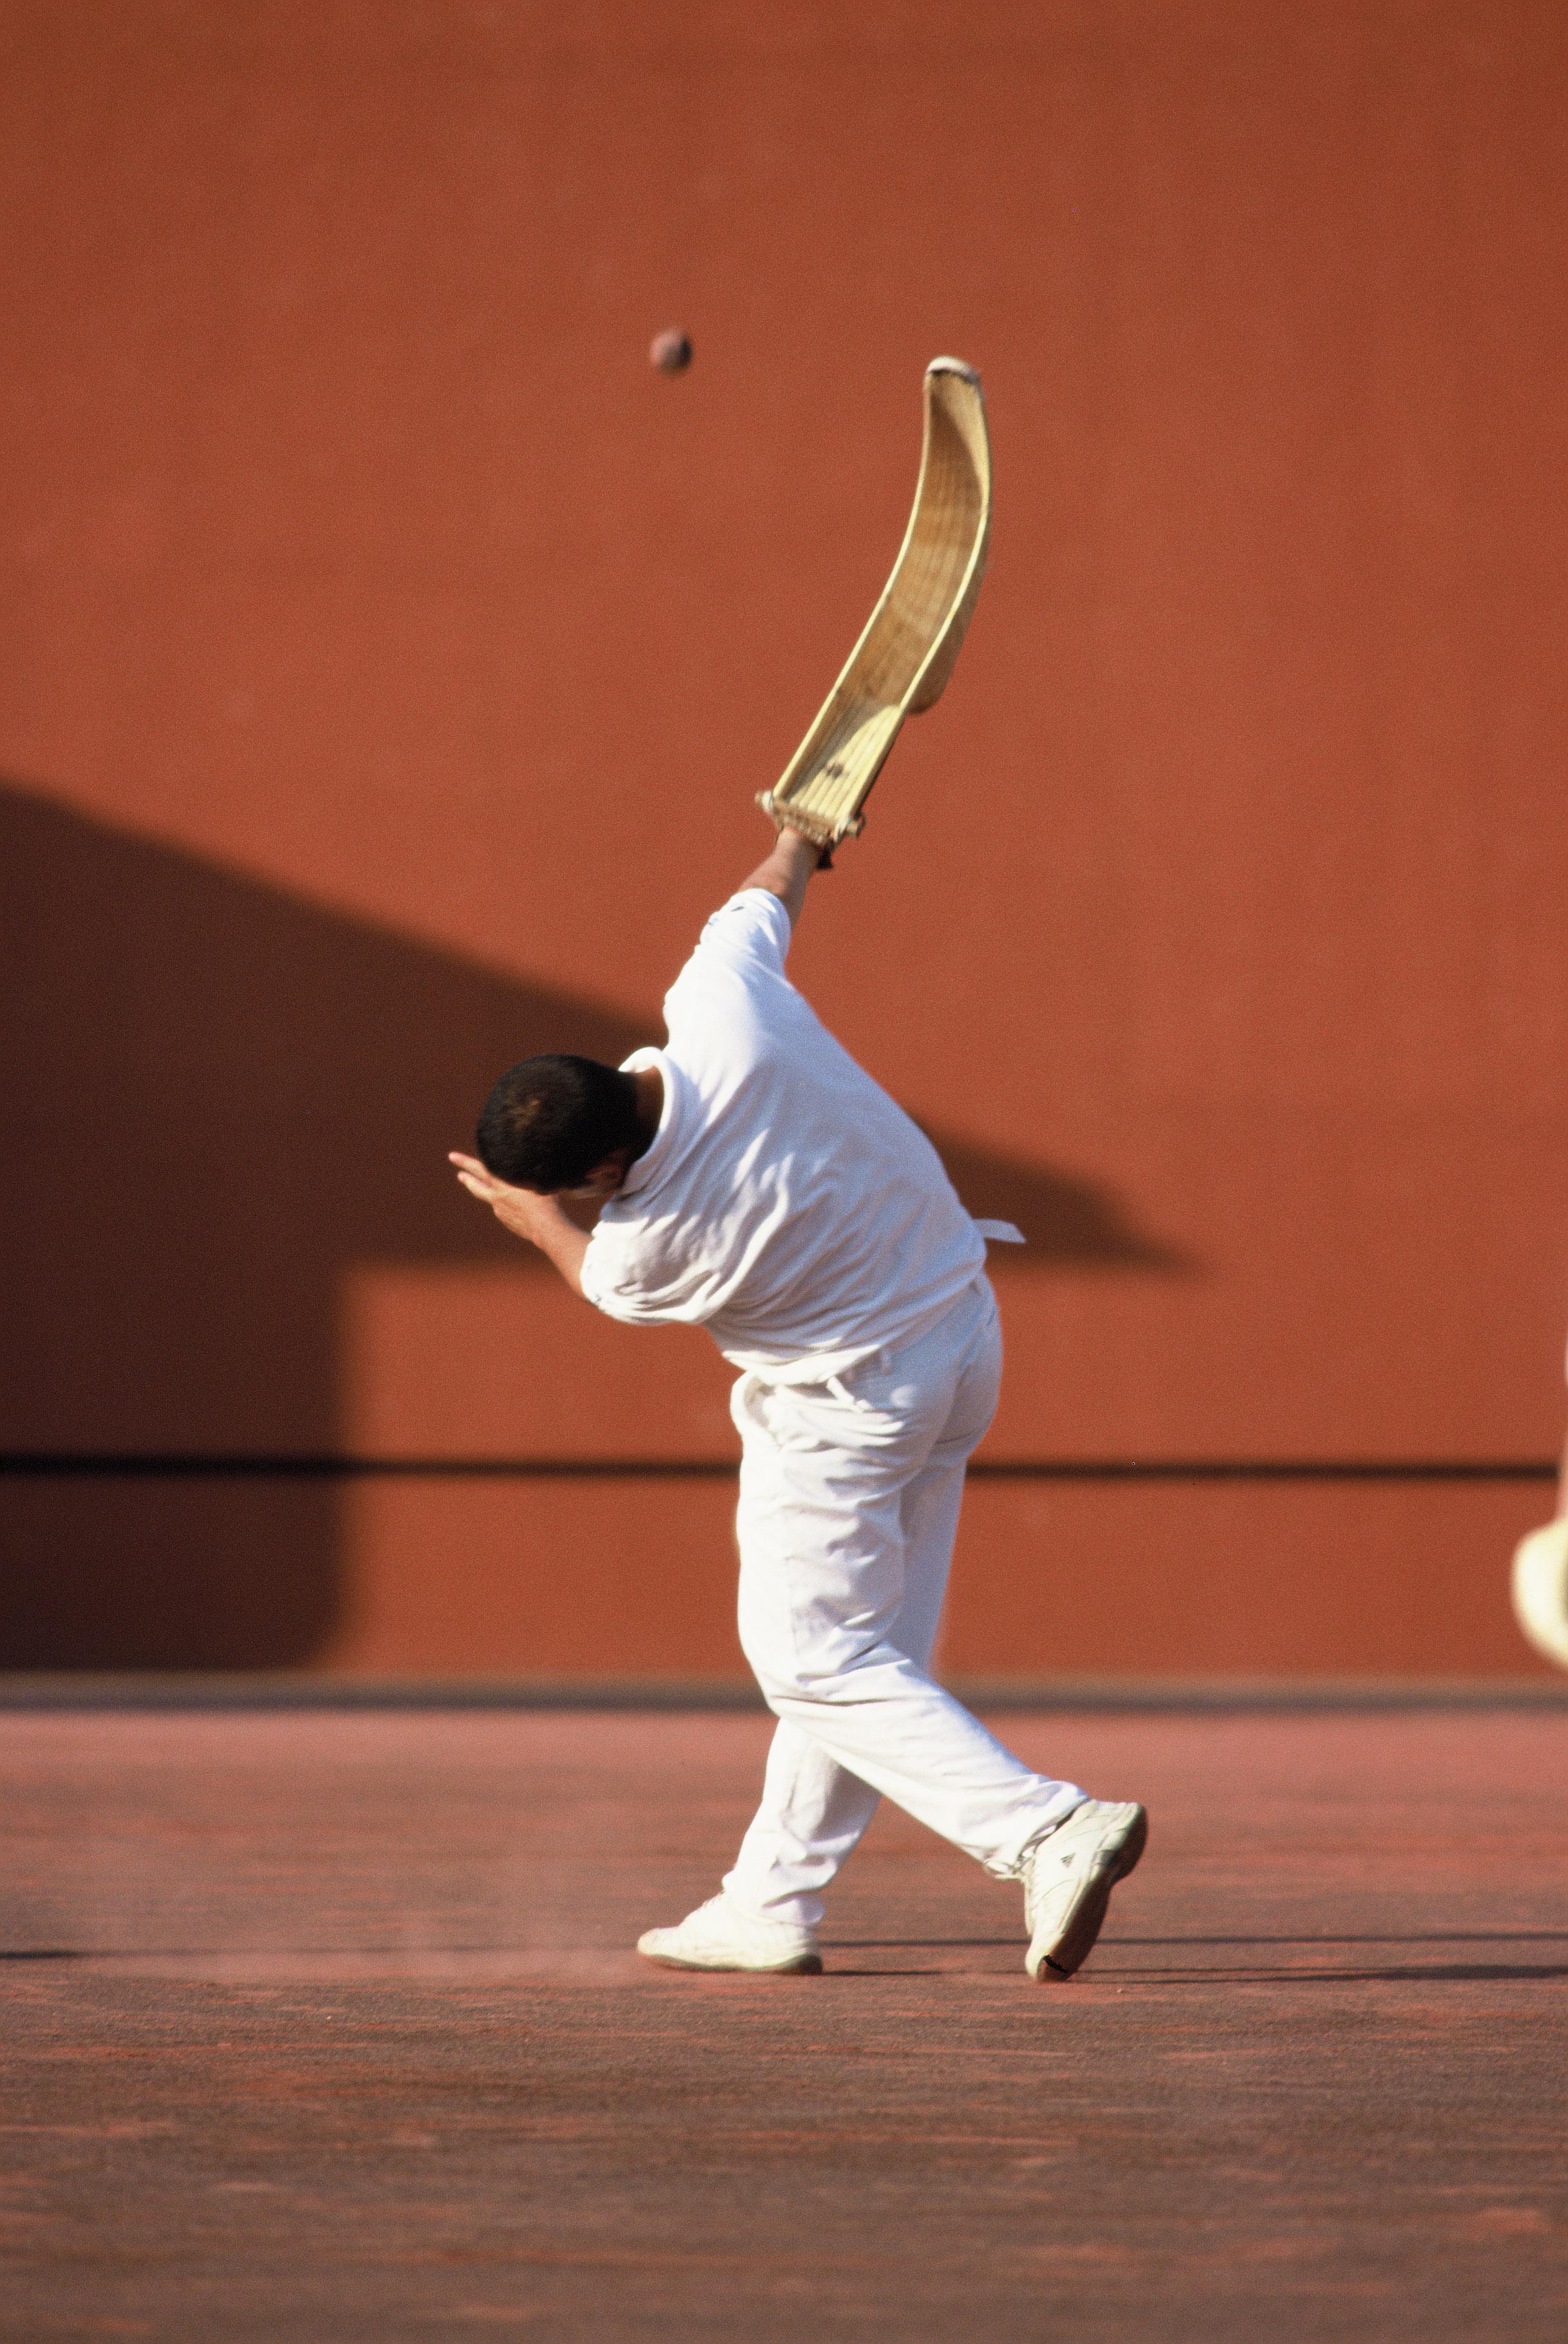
(1067, 1879)
(719, 1937)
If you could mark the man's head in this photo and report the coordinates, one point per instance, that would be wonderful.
(560, 1126)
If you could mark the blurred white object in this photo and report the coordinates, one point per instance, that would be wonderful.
(1540, 1589)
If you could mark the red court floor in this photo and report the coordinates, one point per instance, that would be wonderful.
(326, 2028)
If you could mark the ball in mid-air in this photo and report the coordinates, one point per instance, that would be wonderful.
(671, 351)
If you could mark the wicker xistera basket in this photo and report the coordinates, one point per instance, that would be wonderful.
(912, 639)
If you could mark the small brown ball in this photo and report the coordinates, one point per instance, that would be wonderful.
(671, 351)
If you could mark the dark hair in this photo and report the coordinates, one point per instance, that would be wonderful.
(550, 1120)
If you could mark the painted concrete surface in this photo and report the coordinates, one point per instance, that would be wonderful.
(392, 657)
(327, 2027)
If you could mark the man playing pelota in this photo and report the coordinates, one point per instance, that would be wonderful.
(755, 1181)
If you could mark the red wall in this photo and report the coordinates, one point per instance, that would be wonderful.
(394, 656)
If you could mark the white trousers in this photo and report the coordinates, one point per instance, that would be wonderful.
(849, 1502)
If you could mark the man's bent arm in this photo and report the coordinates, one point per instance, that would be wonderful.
(539, 1220)
(786, 872)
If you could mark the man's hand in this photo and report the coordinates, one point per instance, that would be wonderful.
(523, 1211)
(537, 1220)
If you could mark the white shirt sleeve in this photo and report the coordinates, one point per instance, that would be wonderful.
(641, 1278)
(749, 936)
(665, 1258)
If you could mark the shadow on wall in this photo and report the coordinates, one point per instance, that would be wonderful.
(221, 1098)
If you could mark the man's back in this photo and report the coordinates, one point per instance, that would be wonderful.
(787, 1202)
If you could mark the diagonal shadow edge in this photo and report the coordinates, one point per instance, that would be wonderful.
(222, 1099)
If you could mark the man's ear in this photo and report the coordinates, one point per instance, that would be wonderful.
(613, 1167)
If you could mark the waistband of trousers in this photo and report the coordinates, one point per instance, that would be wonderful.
(827, 1367)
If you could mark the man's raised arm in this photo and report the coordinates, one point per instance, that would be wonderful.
(786, 871)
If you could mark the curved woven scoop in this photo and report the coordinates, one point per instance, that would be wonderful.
(912, 639)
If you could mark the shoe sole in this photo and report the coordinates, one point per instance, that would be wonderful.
(803, 1966)
(1076, 1940)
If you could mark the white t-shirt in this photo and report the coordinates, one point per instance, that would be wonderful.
(786, 1203)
